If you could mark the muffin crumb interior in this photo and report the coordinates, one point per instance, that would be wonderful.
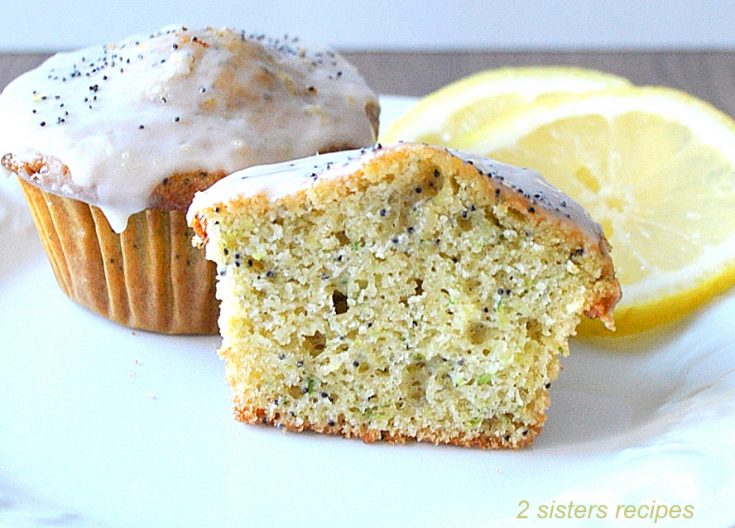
(406, 301)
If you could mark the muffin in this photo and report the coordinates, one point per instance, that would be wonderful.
(110, 144)
(400, 293)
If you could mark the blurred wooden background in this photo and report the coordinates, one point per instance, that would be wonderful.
(706, 74)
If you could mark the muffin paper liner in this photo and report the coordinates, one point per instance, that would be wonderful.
(148, 277)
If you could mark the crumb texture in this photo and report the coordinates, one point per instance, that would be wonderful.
(409, 300)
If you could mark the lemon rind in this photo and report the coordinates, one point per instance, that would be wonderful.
(530, 80)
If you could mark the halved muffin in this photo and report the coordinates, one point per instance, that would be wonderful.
(405, 292)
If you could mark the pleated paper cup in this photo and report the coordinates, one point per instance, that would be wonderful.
(148, 277)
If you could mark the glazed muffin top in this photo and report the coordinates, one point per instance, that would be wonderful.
(109, 125)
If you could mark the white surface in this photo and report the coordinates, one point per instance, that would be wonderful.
(385, 24)
(103, 426)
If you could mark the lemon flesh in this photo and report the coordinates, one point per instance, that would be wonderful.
(656, 168)
(469, 103)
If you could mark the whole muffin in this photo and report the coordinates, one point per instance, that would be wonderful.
(111, 142)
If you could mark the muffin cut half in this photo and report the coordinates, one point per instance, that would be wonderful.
(404, 292)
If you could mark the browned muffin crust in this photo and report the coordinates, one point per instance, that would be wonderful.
(369, 435)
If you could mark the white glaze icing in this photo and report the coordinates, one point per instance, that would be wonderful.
(123, 117)
(281, 179)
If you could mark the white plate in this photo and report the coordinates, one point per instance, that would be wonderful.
(104, 426)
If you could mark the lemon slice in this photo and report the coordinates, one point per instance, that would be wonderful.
(656, 168)
(473, 101)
